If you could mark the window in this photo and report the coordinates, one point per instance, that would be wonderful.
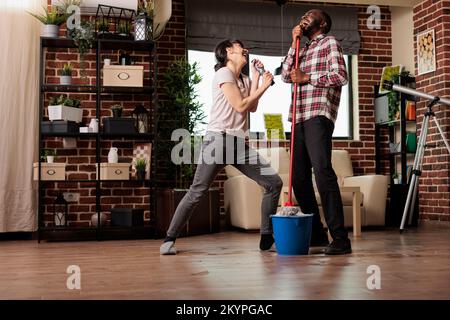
(276, 99)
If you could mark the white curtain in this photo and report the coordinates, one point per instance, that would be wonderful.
(19, 105)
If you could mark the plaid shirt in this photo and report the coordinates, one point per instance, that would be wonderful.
(322, 59)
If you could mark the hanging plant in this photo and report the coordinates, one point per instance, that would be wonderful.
(84, 37)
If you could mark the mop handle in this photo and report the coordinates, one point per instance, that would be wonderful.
(294, 110)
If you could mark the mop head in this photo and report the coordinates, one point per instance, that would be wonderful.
(289, 211)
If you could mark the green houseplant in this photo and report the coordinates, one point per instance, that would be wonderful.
(48, 155)
(64, 108)
(182, 110)
(52, 18)
(103, 26)
(117, 110)
(66, 74)
(123, 28)
(394, 97)
(140, 166)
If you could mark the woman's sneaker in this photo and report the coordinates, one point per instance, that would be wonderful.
(168, 248)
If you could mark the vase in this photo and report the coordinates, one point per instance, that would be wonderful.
(113, 156)
(93, 125)
(94, 219)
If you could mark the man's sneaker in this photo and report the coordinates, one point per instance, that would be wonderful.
(339, 246)
(319, 239)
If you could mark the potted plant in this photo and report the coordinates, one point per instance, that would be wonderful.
(48, 155)
(140, 166)
(66, 74)
(117, 110)
(103, 26)
(185, 112)
(64, 108)
(52, 18)
(396, 178)
(123, 28)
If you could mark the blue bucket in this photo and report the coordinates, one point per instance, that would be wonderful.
(292, 234)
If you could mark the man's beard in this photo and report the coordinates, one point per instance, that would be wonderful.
(311, 28)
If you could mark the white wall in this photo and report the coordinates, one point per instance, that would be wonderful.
(403, 37)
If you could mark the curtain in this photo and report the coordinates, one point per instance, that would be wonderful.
(258, 25)
(19, 104)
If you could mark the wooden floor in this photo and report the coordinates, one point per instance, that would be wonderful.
(414, 265)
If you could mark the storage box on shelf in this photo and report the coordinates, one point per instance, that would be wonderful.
(119, 125)
(123, 76)
(49, 171)
(114, 171)
(60, 126)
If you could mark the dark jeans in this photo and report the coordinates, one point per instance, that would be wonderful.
(312, 149)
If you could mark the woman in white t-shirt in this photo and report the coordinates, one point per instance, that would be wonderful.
(234, 95)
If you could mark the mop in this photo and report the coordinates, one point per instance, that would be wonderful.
(289, 209)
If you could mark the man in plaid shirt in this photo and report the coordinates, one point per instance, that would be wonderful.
(320, 77)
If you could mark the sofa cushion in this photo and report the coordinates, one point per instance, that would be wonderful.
(342, 165)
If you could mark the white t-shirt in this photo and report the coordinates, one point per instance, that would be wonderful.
(223, 118)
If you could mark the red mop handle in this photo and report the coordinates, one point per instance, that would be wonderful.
(294, 111)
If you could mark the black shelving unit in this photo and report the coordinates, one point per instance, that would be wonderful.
(100, 231)
(392, 126)
(396, 191)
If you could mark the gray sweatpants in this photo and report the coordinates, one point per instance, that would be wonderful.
(215, 155)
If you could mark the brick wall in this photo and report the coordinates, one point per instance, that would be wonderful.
(434, 186)
(81, 160)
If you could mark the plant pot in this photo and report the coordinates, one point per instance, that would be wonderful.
(117, 113)
(103, 219)
(396, 181)
(205, 218)
(50, 31)
(140, 174)
(50, 159)
(107, 62)
(65, 80)
(61, 112)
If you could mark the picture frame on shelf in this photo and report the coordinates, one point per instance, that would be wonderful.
(387, 74)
